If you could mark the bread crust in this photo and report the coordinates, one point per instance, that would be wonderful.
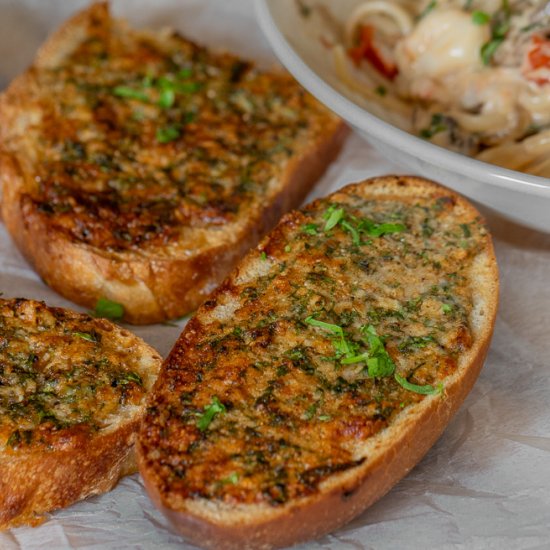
(54, 472)
(391, 453)
(152, 284)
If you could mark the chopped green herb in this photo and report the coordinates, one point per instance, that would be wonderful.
(379, 363)
(189, 117)
(333, 216)
(363, 357)
(305, 10)
(437, 125)
(147, 81)
(341, 344)
(480, 17)
(500, 26)
(446, 308)
(263, 255)
(311, 410)
(188, 87)
(532, 26)
(167, 98)
(232, 479)
(415, 342)
(210, 411)
(108, 309)
(427, 9)
(466, 230)
(325, 417)
(130, 93)
(424, 390)
(381, 90)
(378, 229)
(185, 72)
(352, 231)
(310, 228)
(384, 365)
(489, 48)
(86, 336)
(287, 248)
(335, 329)
(167, 134)
(130, 376)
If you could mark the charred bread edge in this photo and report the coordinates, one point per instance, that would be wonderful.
(151, 288)
(38, 481)
(392, 453)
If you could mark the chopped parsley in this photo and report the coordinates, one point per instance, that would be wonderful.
(210, 411)
(108, 309)
(129, 377)
(352, 231)
(415, 342)
(167, 134)
(424, 390)
(333, 216)
(480, 17)
(185, 72)
(167, 98)
(466, 230)
(379, 363)
(336, 216)
(427, 9)
(437, 125)
(231, 479)
(373, 229)
(310, 229)
(88, 336)
(500, 26)
(130, 93)
(341, 345)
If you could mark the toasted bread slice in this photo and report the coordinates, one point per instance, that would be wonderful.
(323, 368)
(140, 167)
(72, 394)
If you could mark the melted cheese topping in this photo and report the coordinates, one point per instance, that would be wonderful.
(63, 375)
(267, 394)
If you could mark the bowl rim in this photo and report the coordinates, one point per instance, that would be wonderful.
(384, 131)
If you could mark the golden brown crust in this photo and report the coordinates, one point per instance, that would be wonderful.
(391, 454)
(153, 284)
(58, 454)
(34, 483)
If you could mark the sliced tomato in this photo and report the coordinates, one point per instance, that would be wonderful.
(366, 49)
(537, 66)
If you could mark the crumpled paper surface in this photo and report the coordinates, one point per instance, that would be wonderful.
(486, 482)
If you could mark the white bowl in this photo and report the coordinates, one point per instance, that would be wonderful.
(520, 197)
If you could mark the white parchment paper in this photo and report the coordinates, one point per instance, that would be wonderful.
(484, 485)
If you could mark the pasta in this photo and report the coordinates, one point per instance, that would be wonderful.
(470, 75)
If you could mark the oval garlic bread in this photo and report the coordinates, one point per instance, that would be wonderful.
(139, 167)
(323, 368)
(72, 393)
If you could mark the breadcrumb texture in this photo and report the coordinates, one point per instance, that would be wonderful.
(140, 167)
(323, 368)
